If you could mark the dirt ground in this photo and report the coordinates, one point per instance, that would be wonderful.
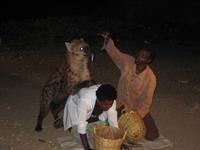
(176, 105)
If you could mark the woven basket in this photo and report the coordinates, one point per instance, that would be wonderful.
(108, 138)
(133, 124)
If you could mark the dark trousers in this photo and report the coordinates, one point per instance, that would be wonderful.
(151, 128)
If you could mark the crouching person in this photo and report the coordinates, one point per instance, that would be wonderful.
(90, 105)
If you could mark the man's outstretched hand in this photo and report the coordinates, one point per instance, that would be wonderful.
(104, 34)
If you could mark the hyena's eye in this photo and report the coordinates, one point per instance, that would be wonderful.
(85, 49)
(81, 49)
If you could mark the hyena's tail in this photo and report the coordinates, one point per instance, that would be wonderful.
(44, 110)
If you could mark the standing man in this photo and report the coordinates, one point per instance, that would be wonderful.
(89, 105)
(137, 82)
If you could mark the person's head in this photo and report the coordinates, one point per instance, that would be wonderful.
(145, 56)
(106, 94)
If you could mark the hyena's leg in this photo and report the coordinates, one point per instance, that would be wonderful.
(58, 123)
(44, 109)
(56, 107)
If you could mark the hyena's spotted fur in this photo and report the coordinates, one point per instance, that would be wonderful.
(69, 78)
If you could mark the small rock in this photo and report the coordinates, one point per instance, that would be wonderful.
(17, 124)
(8, 108)
(183, 81)
(195, 107)
(41, 140)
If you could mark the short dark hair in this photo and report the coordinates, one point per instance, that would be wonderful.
(106, 92)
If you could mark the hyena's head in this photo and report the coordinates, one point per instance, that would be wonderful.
(78, 49)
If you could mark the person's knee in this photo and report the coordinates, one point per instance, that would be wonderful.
(152, 136)
(152, 132)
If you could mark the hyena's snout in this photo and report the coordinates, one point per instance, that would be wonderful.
(88, 51)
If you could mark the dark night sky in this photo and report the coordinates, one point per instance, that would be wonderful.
(30, 8)
(147, 12)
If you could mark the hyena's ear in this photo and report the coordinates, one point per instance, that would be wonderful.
(68, 46)
(82, 39)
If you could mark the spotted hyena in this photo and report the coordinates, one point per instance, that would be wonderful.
(71, 76)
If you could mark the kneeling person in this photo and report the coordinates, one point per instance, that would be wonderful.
(90, 104)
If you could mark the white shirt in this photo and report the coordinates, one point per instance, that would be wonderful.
(79, 108)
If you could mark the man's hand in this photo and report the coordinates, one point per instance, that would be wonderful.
(120, 110)
(104, 34)
(123, 109)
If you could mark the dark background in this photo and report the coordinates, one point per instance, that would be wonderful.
(149, 10)
(136, 19)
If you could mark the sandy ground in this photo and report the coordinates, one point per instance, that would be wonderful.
(176, 105)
